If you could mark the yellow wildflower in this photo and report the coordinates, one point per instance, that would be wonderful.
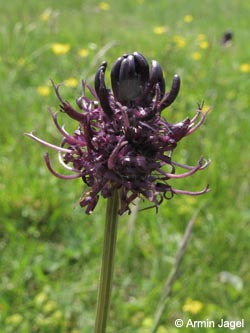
(103, 6)
(14, 319)
(83, 53)
(159, 30)
(188, 18)
(21, 61)
(46, 14)
(49, 306)
(71, 82)
(206, 107)
(57, 315)
(42, 296)
(196, 55)
(192, 306)
(203, 44)
(43, 90)
(245, 67)
(147, 322)
(201, 37)
(59, 48)
(179, 41)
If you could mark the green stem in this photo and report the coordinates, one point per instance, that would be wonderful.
(108, 255)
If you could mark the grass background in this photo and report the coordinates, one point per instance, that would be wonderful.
(50, 250)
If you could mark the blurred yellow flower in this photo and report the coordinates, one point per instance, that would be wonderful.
(42, 296)
(59, 48)
(162, 329)
(203, 44)
(71, 82)
(188, 18)
(83, 53)
(46, 14)
(50, 306)
(179, 41)
(43, 90)
(159, 30)
(192, 306)
(14, 319)
(206, 107)
(104, 6)
(201, 37)
(245, 67)
(57, 315)
(21, 61)
(196, 55)
(43, 321)
(147, 322)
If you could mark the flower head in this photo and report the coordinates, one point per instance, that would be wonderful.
(104, 6)
(121, 141)
(245, 67)
(179, 41)
(159, 30)
(196, 55)
(83, 53)
(192, 306)
(71, 82)
(60, 49)
(43, 90)
(188, 18)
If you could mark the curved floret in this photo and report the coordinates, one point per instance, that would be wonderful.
(121, 141)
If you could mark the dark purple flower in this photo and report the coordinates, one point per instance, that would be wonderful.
(122, 142)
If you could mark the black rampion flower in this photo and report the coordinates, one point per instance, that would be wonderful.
(122, 142)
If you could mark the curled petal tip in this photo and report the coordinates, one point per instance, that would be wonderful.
(101, 90)
(156, 76)
(204, 163)
(173, 93)
(99, 77)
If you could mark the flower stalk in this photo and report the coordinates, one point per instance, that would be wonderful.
(107, 267)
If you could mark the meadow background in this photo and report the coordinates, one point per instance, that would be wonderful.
(49, 248)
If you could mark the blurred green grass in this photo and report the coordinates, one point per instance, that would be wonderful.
(50, 251)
